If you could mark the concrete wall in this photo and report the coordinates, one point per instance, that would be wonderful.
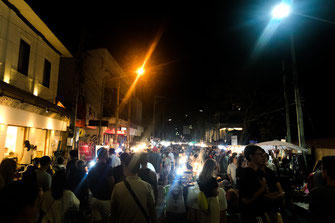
(12, 30)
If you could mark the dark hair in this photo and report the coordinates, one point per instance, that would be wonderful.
(111, 151)
(45, 160)
(58, 184)
(328, 163)
(73, 154)
(240, 160)
(250, 150)
(231, 159)
(27, 144)
(132, 163)
(14, 198)
(60, 160)
(123, 157)
(102, 153)
(80, 164)
(144, 158)
(7, 170)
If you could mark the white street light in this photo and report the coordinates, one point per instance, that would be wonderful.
(281, 11)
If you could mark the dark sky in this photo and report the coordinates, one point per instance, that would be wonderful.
(205, 58)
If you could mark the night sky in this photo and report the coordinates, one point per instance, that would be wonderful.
(207, 56)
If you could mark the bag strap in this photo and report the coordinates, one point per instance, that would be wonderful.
(137, 201)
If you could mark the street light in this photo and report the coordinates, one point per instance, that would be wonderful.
(140, 71)
(281, 11)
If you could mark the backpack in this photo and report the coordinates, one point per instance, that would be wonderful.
(202, 202)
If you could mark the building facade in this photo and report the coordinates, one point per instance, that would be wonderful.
(29, 64)
(100, 80)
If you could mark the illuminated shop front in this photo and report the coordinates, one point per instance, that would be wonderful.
(18, 125)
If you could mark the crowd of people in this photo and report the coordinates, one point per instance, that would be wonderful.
(250, 186)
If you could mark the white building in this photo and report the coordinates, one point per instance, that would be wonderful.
(29, 63)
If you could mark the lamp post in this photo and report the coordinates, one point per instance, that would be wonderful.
(279, 12)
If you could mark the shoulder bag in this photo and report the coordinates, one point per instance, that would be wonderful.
(147, 218)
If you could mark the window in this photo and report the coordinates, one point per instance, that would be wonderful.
(46, 73)
(23, 64)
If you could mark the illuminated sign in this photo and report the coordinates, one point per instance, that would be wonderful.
(112, 131)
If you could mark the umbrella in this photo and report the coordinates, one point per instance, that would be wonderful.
(280, 145)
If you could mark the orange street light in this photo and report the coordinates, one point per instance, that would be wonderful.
(140, 71)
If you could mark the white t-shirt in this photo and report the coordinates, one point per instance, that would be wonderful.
(27, 156)
(171, 157)
(55, 209)
(231, 169)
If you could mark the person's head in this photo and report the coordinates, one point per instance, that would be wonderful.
(80, 164)
(45, 162)
(36, 161)
(73, 154)
(60, 160)
(233, 159)
(131, 165)
(102, 154)
(208, 170)
(8, 170)
(254, 154)
(27, 144)
(144, 159)
(123, 157)
(58, 184)
(111, 151)
(240, 160)
(328, 167)
(19, 202)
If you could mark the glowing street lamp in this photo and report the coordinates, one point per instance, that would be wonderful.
(140, 71)
(281, 11)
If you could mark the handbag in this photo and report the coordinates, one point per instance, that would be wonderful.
(147, 218)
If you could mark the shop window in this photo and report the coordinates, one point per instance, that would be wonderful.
(46, 73)
(24, 53)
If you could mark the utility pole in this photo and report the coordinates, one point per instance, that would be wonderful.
(117, 109)
(129, 116)
(287, 108)
(101, 109)
(300, 119)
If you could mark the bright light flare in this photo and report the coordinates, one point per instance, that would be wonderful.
(92, 163)
(281, 11)
(140, 71)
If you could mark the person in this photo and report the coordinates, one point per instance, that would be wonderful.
(118, 173)
(71, 165)
(77, 183)
(147, 174)
(156, 159)
(27, 153)
(58, 201)
(231, 170)
(101, 183)
(113, 159)
(241, 164)
(274, 195)
(43, 178)
(7, 172)
(252, 186)
(223, 163)
(123, 206)
(59, 165)
(322, 199)
(19, 203)
(208, 184)
(171, 158)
